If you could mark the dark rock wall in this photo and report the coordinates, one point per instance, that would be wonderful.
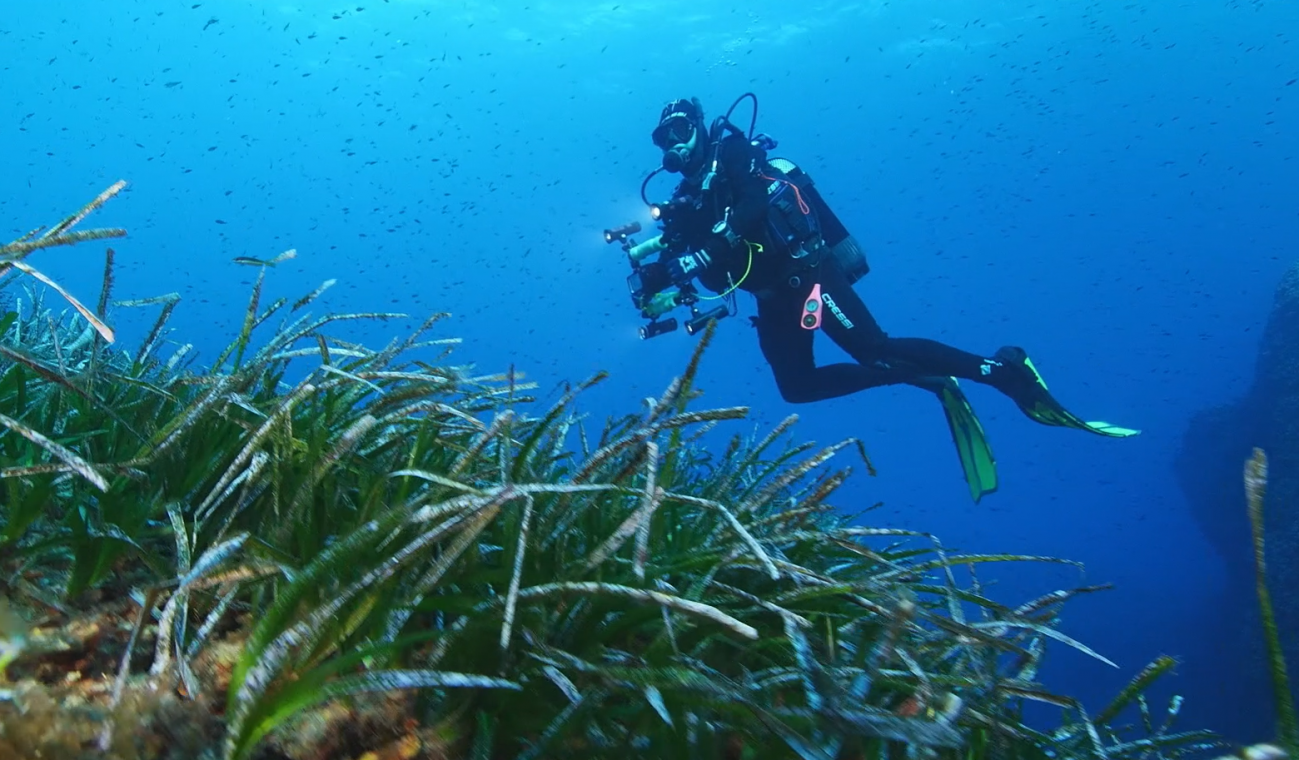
(1276, 408)
(1210, 468)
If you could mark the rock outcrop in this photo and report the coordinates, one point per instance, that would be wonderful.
(1210, 468)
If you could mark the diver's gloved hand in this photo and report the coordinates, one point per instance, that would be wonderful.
(685, 268)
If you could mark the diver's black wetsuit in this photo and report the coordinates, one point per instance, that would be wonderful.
(881, 360)
(782, 286)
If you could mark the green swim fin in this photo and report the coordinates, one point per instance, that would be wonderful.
(1042, 407)
(977, 461)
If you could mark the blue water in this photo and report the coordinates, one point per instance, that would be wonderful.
(1110, 185)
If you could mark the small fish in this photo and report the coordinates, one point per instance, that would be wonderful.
(210, 22)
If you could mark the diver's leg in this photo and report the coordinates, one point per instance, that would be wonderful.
(787, 347)
(1009, 370)
(1019, 379)
(850, 324)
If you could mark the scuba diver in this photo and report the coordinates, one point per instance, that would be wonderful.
(740, 219)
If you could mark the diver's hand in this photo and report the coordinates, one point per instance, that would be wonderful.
(684, 268)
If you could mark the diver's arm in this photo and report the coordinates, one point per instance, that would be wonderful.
(683, 260)
(683, 269)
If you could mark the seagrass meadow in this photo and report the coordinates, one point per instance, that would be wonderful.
(309, 548)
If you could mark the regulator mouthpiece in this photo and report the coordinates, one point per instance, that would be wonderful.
(676, 158)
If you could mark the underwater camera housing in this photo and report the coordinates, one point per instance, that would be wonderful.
(651, 287)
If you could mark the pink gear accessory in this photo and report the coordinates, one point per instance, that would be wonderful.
(811, 317)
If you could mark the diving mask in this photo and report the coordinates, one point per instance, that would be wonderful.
(675, 129)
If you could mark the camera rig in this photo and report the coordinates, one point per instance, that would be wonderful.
(653, 290)
(657, 288)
